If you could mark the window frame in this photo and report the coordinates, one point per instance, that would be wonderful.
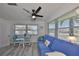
(26, 28)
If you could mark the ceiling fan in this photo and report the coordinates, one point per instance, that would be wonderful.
(34, 13)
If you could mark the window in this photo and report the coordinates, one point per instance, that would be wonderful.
(51, 29)
(76, 28)
(32, 29)
(20, 29)
(76, 21)
(76, 33)
(64, 24)
(63, 29)
(26, 29)
(20, 32)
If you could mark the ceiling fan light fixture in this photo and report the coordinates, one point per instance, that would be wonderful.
(33, 17)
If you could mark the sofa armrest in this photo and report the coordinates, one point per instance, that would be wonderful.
(42, 49)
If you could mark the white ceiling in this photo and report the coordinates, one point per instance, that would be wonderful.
(49, 10)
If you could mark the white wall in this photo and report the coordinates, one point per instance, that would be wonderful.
(4, 32)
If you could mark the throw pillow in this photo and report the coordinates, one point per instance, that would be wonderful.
(47, 43)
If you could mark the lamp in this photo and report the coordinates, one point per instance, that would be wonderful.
(72, 39)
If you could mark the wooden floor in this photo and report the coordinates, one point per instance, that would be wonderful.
(19, 51)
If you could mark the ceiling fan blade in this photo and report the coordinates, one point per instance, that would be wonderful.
(12, 4)
(26, 10)
(38, 10)
(38, 15)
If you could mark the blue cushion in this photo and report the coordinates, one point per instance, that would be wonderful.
(67, 48)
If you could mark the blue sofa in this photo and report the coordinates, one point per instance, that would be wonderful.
(42, 49)
(56, 44)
